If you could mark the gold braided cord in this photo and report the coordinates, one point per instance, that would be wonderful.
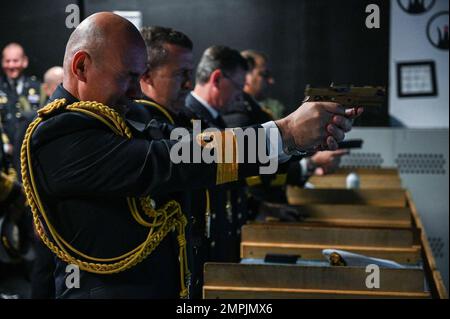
(164, 220)
(7, 180)
(159, 108)
(207, 214)
(145, 203)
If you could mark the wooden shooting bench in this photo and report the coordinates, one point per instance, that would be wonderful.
(380, 223)
(370, 178)
(230, 280)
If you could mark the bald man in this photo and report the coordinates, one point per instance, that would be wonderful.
(89, 168)
(52, 78)
(19, 93)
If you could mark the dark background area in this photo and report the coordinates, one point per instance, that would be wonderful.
(39, 26)
(308, 42)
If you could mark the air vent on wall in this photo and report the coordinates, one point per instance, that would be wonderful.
(421, 163)
(362, 160)
(437, 246)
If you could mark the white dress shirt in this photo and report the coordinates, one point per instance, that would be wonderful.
(274, 140)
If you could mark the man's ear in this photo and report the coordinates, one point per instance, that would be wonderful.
(79, 63)
(45, 89)
(215, 77)
(248, 78)
(147, 78)
(25, 62)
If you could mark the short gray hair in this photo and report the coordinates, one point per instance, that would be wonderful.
(219, 57)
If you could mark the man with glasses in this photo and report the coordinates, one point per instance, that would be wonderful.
(250, 111)
(257, 81)
(220, 79)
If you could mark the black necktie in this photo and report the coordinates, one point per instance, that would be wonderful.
(14, 85)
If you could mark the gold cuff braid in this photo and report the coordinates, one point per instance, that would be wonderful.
(225, 144)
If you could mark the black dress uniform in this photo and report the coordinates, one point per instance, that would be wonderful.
(201, 231)
(17, 112)
(228, 202)
(162, 121)
(84, 172)
(10, 194)
(14, 104)
(18, 108)
(10, 189)
(14, 243)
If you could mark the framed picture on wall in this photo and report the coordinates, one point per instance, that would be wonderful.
(416, 78)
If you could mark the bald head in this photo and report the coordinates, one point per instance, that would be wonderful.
(52, 78)
(14, 60)
(14, 47)
(104, 59)
(101, 33)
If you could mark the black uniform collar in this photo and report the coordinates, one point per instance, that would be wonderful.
(172, 114)
(145, 97)
(62, 93)
(179, 118)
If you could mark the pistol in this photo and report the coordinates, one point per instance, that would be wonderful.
(347, 96)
